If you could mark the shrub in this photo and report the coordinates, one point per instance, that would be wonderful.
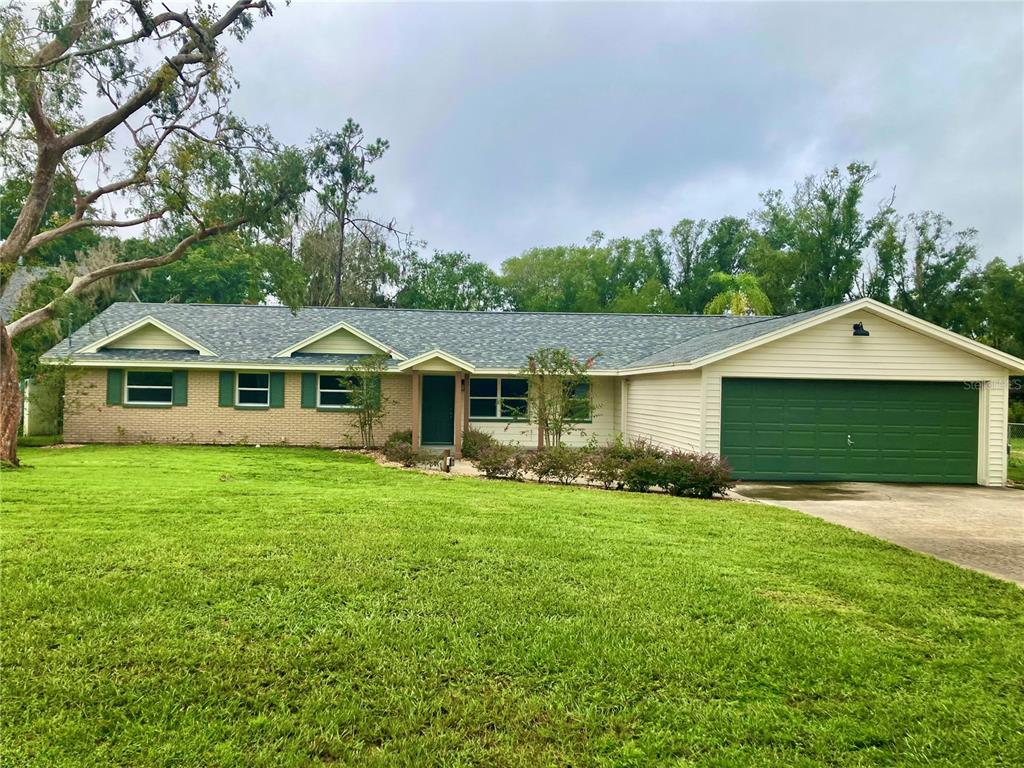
(402, 453)
(475, 442)
(398, 437)
(702, 475)
(605, 465)
(641, 472)
(398, 448)
(506, 462)
(560, 462)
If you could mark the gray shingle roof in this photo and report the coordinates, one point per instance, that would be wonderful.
(254, 334)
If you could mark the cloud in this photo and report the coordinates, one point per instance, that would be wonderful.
(521, 125)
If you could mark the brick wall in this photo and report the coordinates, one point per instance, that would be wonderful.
(90, 420)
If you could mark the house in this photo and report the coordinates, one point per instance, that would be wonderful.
(858, 391)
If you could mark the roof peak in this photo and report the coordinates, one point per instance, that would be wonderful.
(748, 318)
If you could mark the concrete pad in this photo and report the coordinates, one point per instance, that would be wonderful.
(979, 528)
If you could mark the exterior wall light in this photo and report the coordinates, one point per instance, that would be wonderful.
(860, 330)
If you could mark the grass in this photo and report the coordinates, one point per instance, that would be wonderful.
(285, 607)
(1015, 467)
(35, 441)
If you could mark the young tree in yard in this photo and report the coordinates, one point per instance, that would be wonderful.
(367, 401)
(338, 163)
(559, 393)
(738, 294)
(159, 147)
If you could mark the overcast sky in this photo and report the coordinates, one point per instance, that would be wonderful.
(534, 124)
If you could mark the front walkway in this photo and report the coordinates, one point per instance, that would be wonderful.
(979, 528)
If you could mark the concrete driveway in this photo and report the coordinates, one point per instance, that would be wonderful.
(979, 528)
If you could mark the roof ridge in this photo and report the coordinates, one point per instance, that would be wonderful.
(437, 311)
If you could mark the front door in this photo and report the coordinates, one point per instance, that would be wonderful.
(438, 420)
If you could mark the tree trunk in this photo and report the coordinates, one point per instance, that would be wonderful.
(339, 261)
(10, 399)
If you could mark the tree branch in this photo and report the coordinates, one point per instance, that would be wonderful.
(81, 282)
(75, 224)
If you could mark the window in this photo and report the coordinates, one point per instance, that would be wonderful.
(335, 391)
(580, 409)
(497, 398)
(513, 398)
(253, 390)
(149, 388)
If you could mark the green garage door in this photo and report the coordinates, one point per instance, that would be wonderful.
(878, 431)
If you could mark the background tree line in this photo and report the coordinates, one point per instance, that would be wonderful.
(811, 249)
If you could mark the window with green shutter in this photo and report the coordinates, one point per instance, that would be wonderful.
(308, 390)
(179, 384)
(277, 389)
(115, 384)
(226, 394)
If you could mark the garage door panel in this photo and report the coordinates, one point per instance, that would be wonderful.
(856, 430)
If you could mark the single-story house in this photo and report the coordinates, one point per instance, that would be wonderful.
(857, 391)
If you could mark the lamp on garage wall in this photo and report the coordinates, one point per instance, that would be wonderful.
(860, 330)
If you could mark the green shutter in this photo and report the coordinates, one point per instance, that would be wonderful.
(309, 390)
(227, 389)
(179, 382)
(277, 389)
(115, 385)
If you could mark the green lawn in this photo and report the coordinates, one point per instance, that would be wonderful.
(1015, 468)
(286, 607)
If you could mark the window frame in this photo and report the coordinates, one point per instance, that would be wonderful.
(320, 406)
(498, 399)
(147, 403)
(589, 403)
(238, 403)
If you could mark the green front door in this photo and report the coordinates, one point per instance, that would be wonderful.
(438, 421)
(877, 431)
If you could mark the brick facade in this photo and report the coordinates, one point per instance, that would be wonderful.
(88, 418)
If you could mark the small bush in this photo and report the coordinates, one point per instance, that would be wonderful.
(398, 448)
(560, 462)
(504, 462)
(642, 472)
(701, 475)
(402, 453)
(402, 436)
(605, 466)
(475, 442)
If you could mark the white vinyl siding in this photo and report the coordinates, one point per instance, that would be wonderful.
(149, 337)
(665, 409)
(341, 342)
(891, 352)
(603, 428)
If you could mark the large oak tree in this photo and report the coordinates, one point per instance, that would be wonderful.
(126, 104)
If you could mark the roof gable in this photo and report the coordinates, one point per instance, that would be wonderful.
(437, 360)
(339, 339)
(148, 333)
(729, 342)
